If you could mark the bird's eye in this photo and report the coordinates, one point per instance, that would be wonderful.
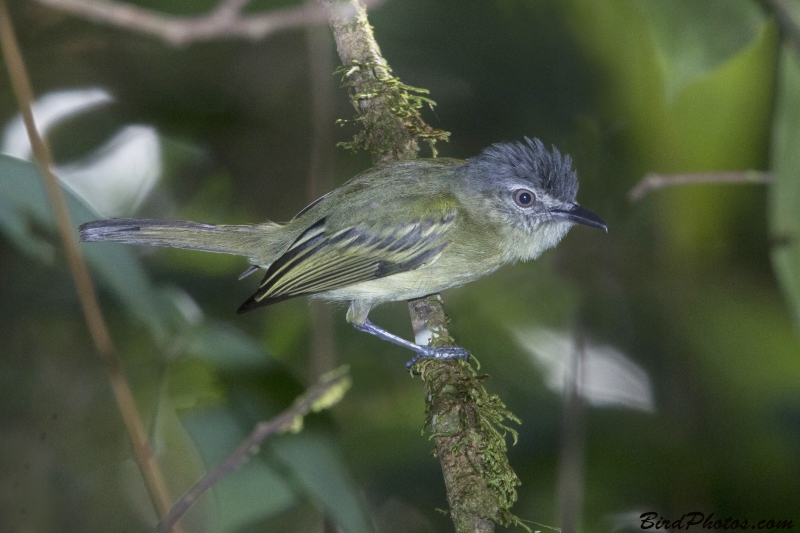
(524, 198)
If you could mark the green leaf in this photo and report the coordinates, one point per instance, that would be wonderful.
(785, 193)
(692, 37)
(226, 347)
(24, 205)
(252, 493)
(318, 467)
(193, 385)
(180, 463)
(182, 466)
(211, 342)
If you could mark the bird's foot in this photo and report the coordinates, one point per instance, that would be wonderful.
(445, 352)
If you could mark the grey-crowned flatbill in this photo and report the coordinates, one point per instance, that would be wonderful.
(398, 231)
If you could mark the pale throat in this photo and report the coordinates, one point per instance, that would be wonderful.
(529, 243)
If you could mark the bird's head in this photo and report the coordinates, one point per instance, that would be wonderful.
(529, 191)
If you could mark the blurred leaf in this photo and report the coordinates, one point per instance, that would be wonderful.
(785, 193)
(255, 491)
(317, 465)
(692, 37)
(211, 341)
(23, 200)
(310, 460)
(606, 376)
(745, 343)
(226, 347)
(22, 195)
(17, 229)
(182, 466)
(194, 385)
(705, 127)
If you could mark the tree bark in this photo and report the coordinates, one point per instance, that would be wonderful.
(466, 422)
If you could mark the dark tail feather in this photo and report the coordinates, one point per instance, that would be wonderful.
(260, 243)
(251, 303)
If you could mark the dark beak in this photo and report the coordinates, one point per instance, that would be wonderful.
(578, 214)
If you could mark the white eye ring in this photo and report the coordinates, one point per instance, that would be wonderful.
(524, 197)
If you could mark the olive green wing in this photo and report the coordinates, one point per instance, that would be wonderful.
(323, 259)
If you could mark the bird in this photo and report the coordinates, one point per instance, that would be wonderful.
(398, 231)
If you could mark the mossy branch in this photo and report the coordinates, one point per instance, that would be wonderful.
(466, 423)
(381, 132)
(387, 110)
(469, 428)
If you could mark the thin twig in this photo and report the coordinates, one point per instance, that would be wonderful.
(323, 395)
(224, 22)
(652, 182)
(80, 273)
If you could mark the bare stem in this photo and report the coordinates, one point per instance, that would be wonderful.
(330, 388)
(224, 22)
(652, 182)
(80, 273)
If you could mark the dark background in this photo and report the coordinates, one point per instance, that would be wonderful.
(694, 404)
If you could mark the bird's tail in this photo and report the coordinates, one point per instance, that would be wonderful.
(260, 243)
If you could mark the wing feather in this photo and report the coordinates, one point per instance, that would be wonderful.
(323, 259)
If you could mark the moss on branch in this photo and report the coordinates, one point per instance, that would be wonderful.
(467, 423)
(387, 111)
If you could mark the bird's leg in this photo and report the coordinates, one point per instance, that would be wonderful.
(357, 316)
(422, 352)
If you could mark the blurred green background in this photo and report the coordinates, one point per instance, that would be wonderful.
(689, 399)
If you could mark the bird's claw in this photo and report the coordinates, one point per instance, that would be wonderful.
(445, 352)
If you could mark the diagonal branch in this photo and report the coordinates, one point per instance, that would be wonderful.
(87, 295)
(466, 423)
(226, 21)
(328, 391)
(387, 111)
(652, 182)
